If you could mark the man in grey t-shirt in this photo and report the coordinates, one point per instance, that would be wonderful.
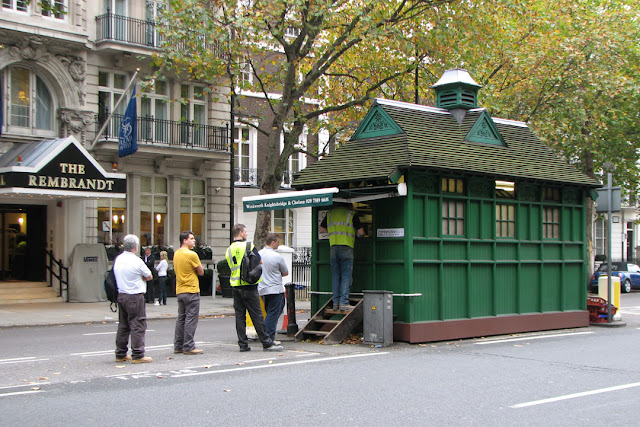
(270, 287)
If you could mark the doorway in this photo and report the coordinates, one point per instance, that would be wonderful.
(22, 242)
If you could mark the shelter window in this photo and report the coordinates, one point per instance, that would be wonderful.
(153, 211)
(154, 112)
(505, 189)
(192, 207)
(551, 223)
(452, 185)
(15, 5)
(452, 218)
(31, 105)
(110, 88)
(57, 9)
(282, 223)
(244, 150)
(505, 221)
(550, 194)
(112, 214)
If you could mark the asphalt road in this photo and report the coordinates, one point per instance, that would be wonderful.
(66, 376)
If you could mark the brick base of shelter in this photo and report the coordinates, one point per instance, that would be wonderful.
(469, 328)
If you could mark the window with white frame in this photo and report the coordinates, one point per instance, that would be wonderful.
(244, 150)
(193, 113)
(15, 5)
(154, 112)
(192, 207)
(282, 223)
(245, 73)
(55, 9)
(600, 236)
(153, 14)
(30, 103)
(110, 87)
(118, 26)
(153, 210)
(297, 161)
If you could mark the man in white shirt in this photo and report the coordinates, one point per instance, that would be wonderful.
(131, 275)
(271, 289)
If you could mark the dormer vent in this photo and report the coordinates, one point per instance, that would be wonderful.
(456, 89)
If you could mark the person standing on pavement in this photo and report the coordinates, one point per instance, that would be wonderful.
(270, 288)
(150, 262)
(343, 224)
(131, 275)
(162, 268)
(245, 295)
(187, 266)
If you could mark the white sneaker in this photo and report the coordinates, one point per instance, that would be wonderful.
(156, 303)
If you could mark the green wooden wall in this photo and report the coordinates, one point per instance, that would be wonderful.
(476, 274)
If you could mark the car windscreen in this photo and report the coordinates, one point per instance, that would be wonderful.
(615, 266)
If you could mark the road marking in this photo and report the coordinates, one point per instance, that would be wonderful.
(26, 359)
(24, 385)
(273, 365)
(111, 333)
(203, 366)
(534, 337)
(259, 360)
(149, 348)
(20, 392)
(18, 358)
(574, 395)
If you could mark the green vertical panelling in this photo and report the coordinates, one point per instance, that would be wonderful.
(427, 282)
(454, 250)
(574, 294)
(363, 266)
(474, 225)
(506, 287)
(488, 214)
(481, 251)
(506, 251)
(551, 284)
(523, 218)
(419, 216)
(481, 290)
(535, 222)
(454, 291)
(529, 251)
(390, 250)
(573, 251)
(529, 288)
(552, 250)
(426, 249)
(577, 225)
(432, 216)
(565, 223)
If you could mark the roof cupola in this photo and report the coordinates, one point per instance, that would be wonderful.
(456, 89)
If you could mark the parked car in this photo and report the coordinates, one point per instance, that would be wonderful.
(628, 273)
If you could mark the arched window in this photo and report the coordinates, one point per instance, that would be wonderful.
(31, 105)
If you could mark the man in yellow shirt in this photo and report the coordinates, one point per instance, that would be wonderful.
(187, 267)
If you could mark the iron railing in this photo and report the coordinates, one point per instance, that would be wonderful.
(129, 30)
(50, 262)
(301, 271)
(247, 176)
(159, 131)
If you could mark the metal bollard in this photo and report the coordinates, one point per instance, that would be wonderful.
(292, 325)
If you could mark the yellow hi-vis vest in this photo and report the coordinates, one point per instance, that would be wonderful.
(340, 227)
(236, 251)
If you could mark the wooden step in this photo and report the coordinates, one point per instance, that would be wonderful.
(323, 333)
(330, 321)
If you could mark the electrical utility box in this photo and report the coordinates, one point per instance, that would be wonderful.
(377, 319)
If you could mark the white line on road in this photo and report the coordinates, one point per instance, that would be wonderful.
(110, 333)
(574, 395)
(23, 385)
(273, 365)
(149, 348)
(259, 360)
(22, 361)
(20, 392)
(534, 337)
(18, 358)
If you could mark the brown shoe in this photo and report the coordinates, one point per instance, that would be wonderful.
(145, 359)
(126, 358)
(194, 351)
(178, 351)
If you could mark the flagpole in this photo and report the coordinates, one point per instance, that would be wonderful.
(106, 122)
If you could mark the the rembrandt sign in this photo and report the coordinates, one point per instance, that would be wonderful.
(68, 170)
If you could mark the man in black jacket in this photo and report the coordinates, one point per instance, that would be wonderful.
(150, 261)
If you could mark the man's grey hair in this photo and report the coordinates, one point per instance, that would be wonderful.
(130, 242)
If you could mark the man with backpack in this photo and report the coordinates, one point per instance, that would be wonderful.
(245, 293)
(131, 275)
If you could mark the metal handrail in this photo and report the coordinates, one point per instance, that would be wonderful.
(51, 260)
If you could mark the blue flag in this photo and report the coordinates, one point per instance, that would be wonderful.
(128, 136)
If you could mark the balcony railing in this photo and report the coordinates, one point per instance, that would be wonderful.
(157, 131)
(129, 30)
(247, 176)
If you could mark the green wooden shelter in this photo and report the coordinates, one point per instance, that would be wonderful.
(487, 233)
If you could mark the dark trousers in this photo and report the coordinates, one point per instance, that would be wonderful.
(246, 298)
(273, 305)
(132, 322)
(162, 290)
(150, 295)
(187, 321)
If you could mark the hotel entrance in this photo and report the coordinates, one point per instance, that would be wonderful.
(22, 242)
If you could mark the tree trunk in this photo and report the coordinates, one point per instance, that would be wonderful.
(588, 168)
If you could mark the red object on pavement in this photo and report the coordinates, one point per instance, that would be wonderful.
(598, 310)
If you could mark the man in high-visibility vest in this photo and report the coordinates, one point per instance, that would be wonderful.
(342, 224)
(245, 295)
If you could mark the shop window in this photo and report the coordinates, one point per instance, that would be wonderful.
(54, 9)
(112, 216)
(111, 87)
(551, 223)
(31, 105)
(15, 5)
(505, 221)
(153, 211)
(452, 218)
(282, 223)
(452, 185)
(244, 149)
(192, 207)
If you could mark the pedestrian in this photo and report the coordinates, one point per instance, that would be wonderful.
(150, 261)
(245, 295)
(131, 275)
(162, 268)
(187, 266)
(342, 224)
(271, 288)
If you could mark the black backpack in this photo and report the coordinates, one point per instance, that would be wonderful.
(250, 267)
(111, 288)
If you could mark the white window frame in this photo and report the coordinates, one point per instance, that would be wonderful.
(287, 176)
(287, 237)
(160, 130)
(114, 94)
(246, 178)
(202, 238)
(61, 4)
(13, 7)
(152, 195)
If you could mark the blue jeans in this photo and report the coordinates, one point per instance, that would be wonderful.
(341, 273)
(273, 305)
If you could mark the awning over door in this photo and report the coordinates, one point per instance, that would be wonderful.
(57, 167)
(289, 200)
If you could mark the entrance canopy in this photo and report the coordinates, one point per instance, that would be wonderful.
(57, 167)
(320, 197)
